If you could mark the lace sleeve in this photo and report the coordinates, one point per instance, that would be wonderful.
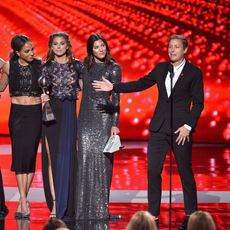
(79, 69)
(45, 74)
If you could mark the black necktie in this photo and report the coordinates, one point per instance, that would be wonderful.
(171, 72)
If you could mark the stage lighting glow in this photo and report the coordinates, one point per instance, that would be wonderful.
(137, 32)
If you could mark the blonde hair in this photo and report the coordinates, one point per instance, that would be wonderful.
(201, 220)
(180, 37)
(141, 220)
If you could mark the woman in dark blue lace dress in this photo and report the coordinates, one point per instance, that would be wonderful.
(98, 120)
(59, 136)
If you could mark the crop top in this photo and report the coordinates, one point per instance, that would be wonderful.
(23, 80)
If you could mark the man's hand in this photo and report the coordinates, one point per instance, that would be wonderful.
(104, 85)
(183, 134)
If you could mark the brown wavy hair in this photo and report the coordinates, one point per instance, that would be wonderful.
(69, 53)
(50, 54)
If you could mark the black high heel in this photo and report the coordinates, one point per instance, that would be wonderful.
(53, 214)
(17, 214)
(4, 211)
(22, 215)
(25, 215)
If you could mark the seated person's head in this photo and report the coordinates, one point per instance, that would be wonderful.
(201, 220)
(141, 220)
(55, 224)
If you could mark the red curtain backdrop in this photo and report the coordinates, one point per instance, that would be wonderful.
(137, 33)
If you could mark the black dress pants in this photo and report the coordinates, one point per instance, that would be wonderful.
(158, 145)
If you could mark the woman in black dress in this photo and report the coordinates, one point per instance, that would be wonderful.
(22, 73)
(59, 137)
(98, 120)
(3, 209)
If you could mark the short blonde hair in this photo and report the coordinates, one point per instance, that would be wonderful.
(180, 37)
(141, 220)
(201, 220)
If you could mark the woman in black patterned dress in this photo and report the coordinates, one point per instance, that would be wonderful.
(59, 137)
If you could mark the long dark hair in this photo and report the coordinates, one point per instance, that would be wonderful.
(89, 60)
(17, 42)
(50, 54)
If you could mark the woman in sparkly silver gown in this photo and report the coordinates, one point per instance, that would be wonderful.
(98, 120)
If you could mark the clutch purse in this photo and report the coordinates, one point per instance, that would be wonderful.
(113, 144)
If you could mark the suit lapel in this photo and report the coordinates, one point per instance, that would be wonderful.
(163, 79)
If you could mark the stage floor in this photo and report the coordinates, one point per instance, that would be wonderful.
(211, 165)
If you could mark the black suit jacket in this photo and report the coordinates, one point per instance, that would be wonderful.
(188, 96)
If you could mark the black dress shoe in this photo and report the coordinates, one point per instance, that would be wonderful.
(115, 217)
(184, 225)
(3, 212)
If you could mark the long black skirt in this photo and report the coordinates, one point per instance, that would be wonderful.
(25, 124)
(61, 138)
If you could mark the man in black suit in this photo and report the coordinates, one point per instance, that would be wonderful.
(185, 103)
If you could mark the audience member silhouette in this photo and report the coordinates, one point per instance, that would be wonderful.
(201, 220)
(142, 220)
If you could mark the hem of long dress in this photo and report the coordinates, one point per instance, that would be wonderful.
(92, 219)
(67, 218)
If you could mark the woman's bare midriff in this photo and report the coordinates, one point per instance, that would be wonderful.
(26, 100)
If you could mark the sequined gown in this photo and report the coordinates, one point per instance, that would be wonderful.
(61, 136)
(99, 111)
